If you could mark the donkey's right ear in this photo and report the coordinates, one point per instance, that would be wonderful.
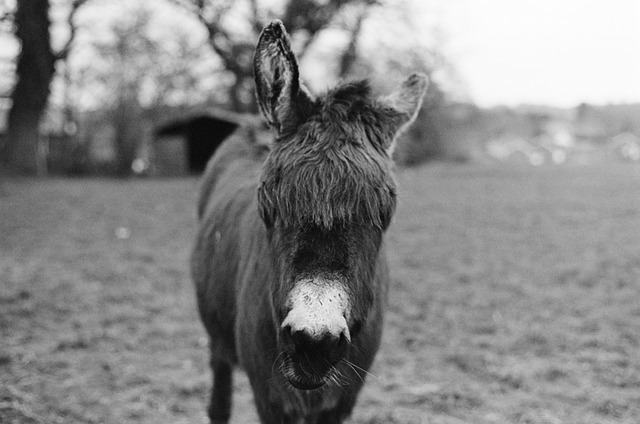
(283, 101)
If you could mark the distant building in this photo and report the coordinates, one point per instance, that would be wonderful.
(625, 146)
(519, 151)
(525, 157)
(172, 141)
(503, 147)
(551, 149)
(183, 144)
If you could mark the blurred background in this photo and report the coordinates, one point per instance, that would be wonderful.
(514, 252)
(150, 87)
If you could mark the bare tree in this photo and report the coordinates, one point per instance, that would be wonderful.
(135, 75)
(304, 19)
(35, 69)
(350, 54)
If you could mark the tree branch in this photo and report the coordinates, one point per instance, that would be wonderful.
(256, 22)
(184, 4)
(7, 17)
(350, 54)
(305, 17)
(313, 17)
(63, 53)
(6, 12)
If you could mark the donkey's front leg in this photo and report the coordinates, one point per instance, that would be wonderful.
(220, 404)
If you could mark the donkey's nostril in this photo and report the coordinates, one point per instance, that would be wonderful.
(285, 332)
(303, 341)
(287, 340)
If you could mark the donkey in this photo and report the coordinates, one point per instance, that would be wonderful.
(289, 264)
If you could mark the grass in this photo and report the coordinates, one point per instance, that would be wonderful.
(515, 299)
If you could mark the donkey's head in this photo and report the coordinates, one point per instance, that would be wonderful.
(326, 196)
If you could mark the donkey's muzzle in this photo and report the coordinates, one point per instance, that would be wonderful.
(312, 355)
(315, 333)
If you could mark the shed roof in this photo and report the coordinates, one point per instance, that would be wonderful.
(171, 119)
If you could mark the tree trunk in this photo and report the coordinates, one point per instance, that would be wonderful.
(22, 141)
(127, 118)
(34, 72)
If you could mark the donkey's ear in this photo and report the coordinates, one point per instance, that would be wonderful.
(282, 99)
(404, 103)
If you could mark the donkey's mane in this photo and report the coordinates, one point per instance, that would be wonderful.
(347, 99)
(354, 108)
(334, 169)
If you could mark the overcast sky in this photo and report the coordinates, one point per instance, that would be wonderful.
(558, 52)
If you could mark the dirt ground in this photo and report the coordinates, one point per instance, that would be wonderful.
(515, 299)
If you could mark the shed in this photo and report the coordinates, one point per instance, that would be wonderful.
(625, 146)
(183, 145)
(547, 147)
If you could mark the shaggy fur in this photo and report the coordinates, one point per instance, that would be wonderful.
(341, 171)
(312, 208)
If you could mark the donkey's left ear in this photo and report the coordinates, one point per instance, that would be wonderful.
(281, 97)
(404, 104)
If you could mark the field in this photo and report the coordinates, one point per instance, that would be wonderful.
(515, 299)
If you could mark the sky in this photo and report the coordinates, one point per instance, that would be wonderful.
(555, 52)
